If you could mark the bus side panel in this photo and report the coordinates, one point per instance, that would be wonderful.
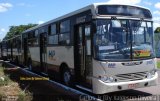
(57, 55)
(34, 54)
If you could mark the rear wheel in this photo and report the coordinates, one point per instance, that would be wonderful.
(30, 64)
(67, 77)
(17, 61)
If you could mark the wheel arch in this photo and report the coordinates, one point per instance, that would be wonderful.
(62, 67)
(29, 60)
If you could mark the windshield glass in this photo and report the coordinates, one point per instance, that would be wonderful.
(142, 39)
(114, 38)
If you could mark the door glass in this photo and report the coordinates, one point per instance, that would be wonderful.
(88, 40)
(43, 56)
(81, 52)
(88, 50)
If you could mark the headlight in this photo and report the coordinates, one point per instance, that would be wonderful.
(106, 79)
(151, 74)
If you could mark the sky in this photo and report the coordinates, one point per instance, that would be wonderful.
(18, 12)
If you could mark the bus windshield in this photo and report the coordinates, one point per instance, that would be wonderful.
(123, 39)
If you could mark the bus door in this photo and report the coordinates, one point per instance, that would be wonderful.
(43, 55)
(83, 60)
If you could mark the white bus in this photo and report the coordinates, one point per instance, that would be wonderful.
(100, 48)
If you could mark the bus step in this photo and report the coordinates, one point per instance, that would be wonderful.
(84, 88)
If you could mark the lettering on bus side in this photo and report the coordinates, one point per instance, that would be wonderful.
(51, 54)
(111, 65)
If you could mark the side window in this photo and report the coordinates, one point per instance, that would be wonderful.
(64, 36)
(64, 39)
(53, 36)
(19, 44)
(65, 26)
(32, 42)
(32, 38)
(53, 29)
(36, 33)
(53, 39)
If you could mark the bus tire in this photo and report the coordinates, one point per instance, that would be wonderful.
(17, 61)
(67, 77)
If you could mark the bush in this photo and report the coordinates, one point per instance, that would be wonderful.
(4, 80)
(24, 96)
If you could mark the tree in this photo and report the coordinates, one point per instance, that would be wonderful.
(17, 30)
(157, 30)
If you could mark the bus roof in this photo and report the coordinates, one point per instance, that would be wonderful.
(62, 17)
(89, 7)
(97, 4)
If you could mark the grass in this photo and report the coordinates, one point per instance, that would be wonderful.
(158, 64)
(4, 79)
(10, 89)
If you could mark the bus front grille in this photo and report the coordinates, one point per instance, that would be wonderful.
(131, 76)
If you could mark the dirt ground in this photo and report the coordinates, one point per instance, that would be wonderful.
(37, 89)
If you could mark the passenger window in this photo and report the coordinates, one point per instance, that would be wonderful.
(64, 39)
(64, 36)
(53, 29)
(65, 26)
(53, 35)
(53, 39)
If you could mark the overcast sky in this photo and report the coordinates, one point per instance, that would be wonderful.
(16, 12)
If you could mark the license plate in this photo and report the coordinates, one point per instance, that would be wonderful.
(131, 86)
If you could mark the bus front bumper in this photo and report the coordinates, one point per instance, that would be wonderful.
(100, 87)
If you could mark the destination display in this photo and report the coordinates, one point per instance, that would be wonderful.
(124, 10)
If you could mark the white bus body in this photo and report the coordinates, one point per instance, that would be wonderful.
(100, 48)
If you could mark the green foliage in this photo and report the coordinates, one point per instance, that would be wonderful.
(4, 81)
(157, 43)
(158, 64)
(25, 96)
(157, 30)
(17, 30)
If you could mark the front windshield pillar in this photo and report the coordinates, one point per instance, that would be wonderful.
(131, 41)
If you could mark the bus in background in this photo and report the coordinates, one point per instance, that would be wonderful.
(14, 49)
(1, 51)
(4, 50)
(100, 48)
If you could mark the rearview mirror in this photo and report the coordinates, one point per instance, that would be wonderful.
(116, 23)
